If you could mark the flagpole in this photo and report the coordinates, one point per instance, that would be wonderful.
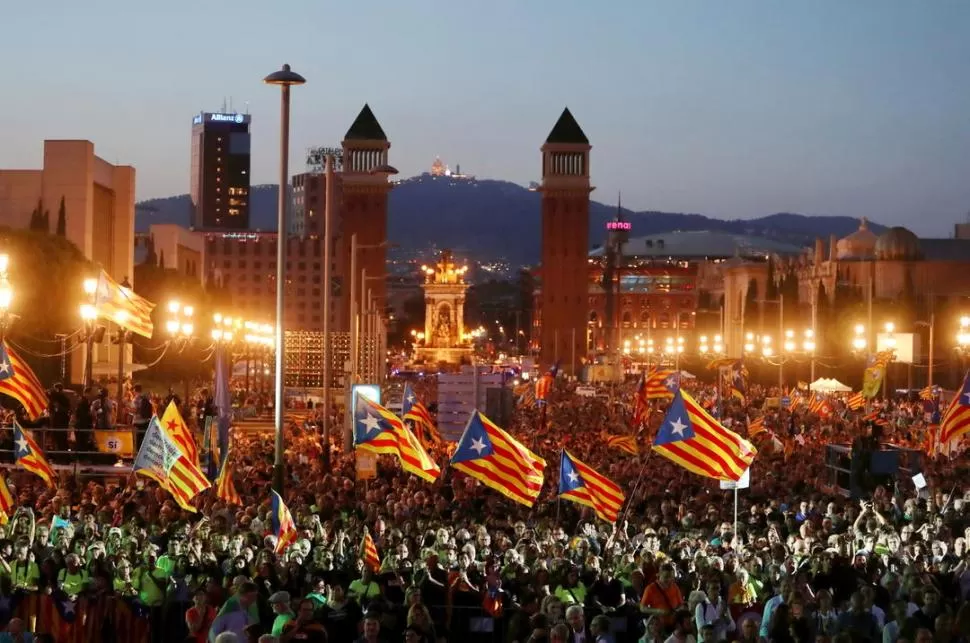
(735, 510)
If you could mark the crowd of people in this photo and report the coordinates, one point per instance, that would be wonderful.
(459, 562)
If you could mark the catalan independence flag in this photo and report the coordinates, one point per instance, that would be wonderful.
(282, 523)
(121, 305)
(19, 382)
(690, 437)
(368, 553)
(956, 419)
(30, 456)
(161, 459)
(626, 443)
(545, 383)
(377, 430)
(414, 410)
(176, 428)
(660, 384)
(499, 461)
(582, 484)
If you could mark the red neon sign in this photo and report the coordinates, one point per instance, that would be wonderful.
(618, 225)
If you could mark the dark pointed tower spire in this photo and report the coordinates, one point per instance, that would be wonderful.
(567, 130)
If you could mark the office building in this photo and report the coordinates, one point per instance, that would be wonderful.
(99, 206)
(220, 171)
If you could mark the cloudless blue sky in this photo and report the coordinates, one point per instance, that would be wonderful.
(732, 109)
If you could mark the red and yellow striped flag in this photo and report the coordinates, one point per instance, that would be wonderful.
(175, 426)
(625, 443)
(368, 553)
(6, 499)
(225, 487)
(855, 401)
(30, 456)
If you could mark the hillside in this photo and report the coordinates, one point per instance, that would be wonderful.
(488, 219)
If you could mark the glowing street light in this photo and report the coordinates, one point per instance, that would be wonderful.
(859, 342)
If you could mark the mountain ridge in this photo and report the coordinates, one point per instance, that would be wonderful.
(486, 219)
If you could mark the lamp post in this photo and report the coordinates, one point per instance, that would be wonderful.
(6, 296)
(890, 328)
(121, 318)
(89, 314)
(284, 78)
(963, 340)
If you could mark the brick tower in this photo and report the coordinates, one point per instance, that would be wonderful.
(565, 245)
(363, 209)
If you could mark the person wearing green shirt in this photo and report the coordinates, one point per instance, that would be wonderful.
(280, 602)
(150, 581)
(572, 591)
(73, 579)
(318, 595)
(24, 572)
(364, 587)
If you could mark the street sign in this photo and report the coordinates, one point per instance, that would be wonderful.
(743, 483)
(366, 465)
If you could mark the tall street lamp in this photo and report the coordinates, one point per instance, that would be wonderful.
(284, 78)
(89, 315)
(6, 296)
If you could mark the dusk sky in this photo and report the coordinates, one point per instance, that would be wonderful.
(728, 108)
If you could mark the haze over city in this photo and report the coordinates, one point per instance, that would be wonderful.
(729, 109)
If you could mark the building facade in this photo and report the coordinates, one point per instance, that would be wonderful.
(176, 248)
(99, 202)
(563, 308)
(219, 179)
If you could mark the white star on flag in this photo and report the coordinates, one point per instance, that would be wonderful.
(22, 445)
(677, 426)
(573, 477)
(4, 366)
(411, 398)
(371, 423)
(478, 445)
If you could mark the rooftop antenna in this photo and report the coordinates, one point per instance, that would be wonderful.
(223, 104)
(230, 105)
(247, 108)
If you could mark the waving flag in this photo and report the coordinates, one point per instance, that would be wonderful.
(855, 401)
(626, 443)
(756, 426)
(414, 410)
(225, 487)
(160, 459)
(121, 305)
(368, 553)
(282, 523)
(30, 456)
(875, 372)
(19, 382)
(737, 384)
(660, 384)
(580, 483)
(6, 499)
(497, 460)
(175, 426)
(956, 419)
(641, 405)
(545, 383)
(377, 430)
(697, 442)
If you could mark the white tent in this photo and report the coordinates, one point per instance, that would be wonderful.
(828, 385)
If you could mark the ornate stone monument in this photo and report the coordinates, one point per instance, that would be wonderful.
(444, 287)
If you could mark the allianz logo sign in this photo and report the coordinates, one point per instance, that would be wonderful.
(226, 118)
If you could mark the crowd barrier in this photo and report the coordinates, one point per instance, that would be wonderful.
(106, 619)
